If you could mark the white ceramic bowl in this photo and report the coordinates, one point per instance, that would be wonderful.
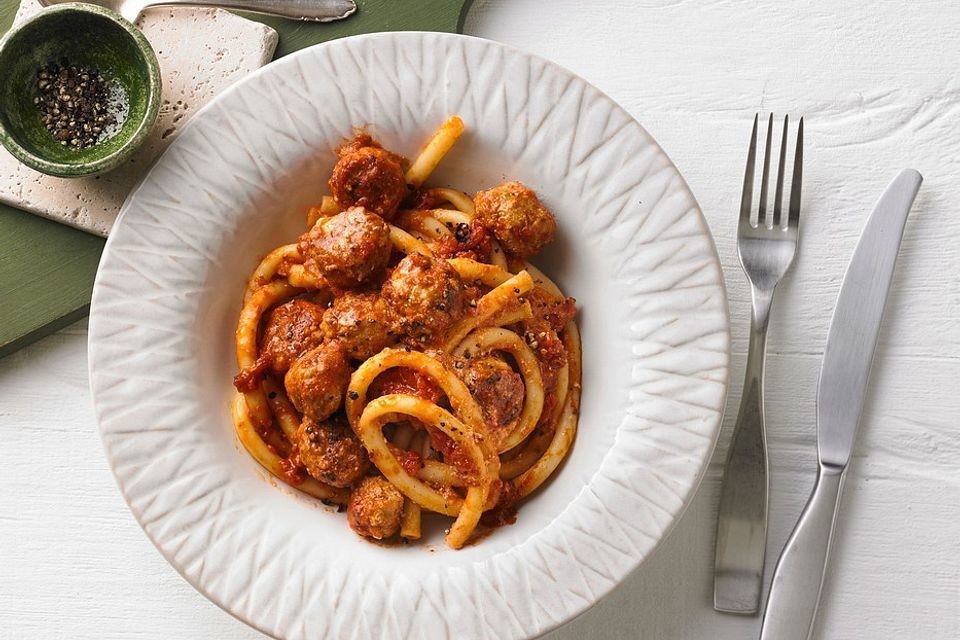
(632, 247)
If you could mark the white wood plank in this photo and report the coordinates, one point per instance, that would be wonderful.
(75, 562)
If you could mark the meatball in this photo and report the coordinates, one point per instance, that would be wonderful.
(347, 249)
(318, 379)
(516, 217)
(374, 508)
(360, 322)
(290, 329)
(497, 388)
(368, 176)
(426, 296)
(331, 452)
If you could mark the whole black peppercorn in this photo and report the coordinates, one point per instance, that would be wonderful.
(462, 232)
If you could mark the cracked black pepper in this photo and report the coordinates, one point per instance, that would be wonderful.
(75, 103)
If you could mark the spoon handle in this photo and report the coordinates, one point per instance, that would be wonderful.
(310, 10)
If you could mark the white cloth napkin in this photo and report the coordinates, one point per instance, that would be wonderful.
(201, 52)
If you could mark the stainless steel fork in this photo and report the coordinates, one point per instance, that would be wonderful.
(766, 250)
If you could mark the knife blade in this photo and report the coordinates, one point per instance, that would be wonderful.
(851, 342)
(856, 321)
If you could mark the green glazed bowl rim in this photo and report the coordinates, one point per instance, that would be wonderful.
(115, 157)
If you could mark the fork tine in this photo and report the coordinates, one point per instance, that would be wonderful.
(747, 198)
(794, 220)
(782, 169)
(764, 180)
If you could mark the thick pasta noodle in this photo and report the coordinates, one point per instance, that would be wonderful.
(402, 358)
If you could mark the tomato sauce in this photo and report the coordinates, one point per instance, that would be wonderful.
(407, 381)
(411, 461)
(249, 378)
(453, 453)
(505, 511)
(291, 470)
(468, 241)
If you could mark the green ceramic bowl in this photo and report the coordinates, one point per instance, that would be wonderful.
(83, 34)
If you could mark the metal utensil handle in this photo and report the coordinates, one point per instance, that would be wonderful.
(742, 520)
(798, 579)
(312, 10)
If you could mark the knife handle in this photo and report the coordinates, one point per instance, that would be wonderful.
(309, 10)
(795, 591)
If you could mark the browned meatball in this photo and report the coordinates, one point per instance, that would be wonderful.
(375, 508)
(290, 329)
(347, 249)
(318, 379)
(516, 217)
(368, 176)
(360, 322)
(426, 296)
(331, 452)
(498, 389)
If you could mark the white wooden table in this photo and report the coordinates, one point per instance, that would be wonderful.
(877, 82)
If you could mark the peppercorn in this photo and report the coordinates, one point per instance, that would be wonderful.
(75, 103)
(462, 232)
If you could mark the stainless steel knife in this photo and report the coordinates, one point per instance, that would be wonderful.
(795, 592)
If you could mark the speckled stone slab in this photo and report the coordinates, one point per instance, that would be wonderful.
(201, 51)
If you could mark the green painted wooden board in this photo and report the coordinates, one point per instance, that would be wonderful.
(47, 269)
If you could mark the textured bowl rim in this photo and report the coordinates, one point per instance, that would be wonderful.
(114, 158)
(719, 283)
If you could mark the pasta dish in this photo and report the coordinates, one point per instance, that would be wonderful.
(402, 356)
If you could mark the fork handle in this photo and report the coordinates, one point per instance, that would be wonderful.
(742, 521)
